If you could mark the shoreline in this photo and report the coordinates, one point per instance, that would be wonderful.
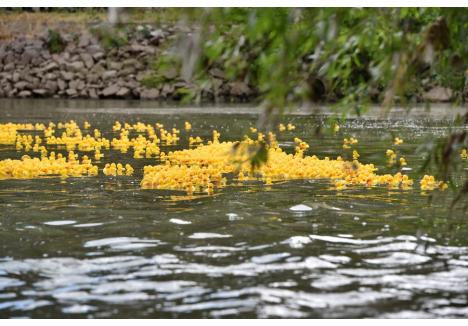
(437, 111)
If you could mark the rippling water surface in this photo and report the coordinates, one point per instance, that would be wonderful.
(102, 247)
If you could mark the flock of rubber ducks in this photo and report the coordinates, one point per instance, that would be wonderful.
(201, 168)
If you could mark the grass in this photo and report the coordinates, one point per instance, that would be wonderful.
(17, 23)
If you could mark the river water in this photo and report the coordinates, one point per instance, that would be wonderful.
(102, 247)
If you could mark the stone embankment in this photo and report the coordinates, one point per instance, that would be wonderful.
(99, 62)
(83, 69)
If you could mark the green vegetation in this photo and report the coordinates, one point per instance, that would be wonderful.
(348, 56)
(110, 38)
(55, 43)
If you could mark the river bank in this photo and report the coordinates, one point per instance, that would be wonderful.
(92, 61)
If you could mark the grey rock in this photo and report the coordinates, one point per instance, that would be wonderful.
(92, 93)
(134, 63)
(129, 71)
(15, 77)
(158, 34)
(71, 92)
(123, 92)
(98, 56)
(84, 40)
(110, 90)
(21, 85)
(40, 91)
(50, 76)
(66, 75)
(87, 59)
(50, 66)
(28, 55)
(94, 48)
(170, 73)
(51, 86)
(76, 65)
(438, 94)
(217, 83)
(73, 84)
(35, 82)
(113, 65)
(24, 94)
(61, 84)
(98, 69)
(149, 94)
(142, 48)
(80, 85)
(167, 90)
(218, 73)
(9, 66)
(238, 88)
(92, 78)
(109, 74)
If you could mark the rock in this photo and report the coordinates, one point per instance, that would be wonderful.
(217, 83)
(92, 93)
(134, 63)
(98, 69)
(170, 73)
(28, 55)
(129, 71)
(66, 75)
(218, 73)
(50, 76)
(167, 90)
(123, 92)
(108, 74)
(35, 82)
(98, 56)
(24, 94)
(238, 88)
(9, 66)
(149, 94)
(21, 85)
(80, 85)
(438, 94)
(51, 86)
(157, 33)
(132, 84)
(77, 84)
(110, 90)
(40, 91)
(71, 92)
(61, 84)
(84, 41)
(87, 59)
(15, 77)
(93, 49)
(76, 65)
(92, 78)
(112, 65)
(142, 48)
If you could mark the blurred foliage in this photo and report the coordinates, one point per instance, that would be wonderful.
(348, 56)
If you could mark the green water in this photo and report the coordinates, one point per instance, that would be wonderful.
(102, 247)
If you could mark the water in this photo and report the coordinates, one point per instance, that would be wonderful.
(101, 247)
